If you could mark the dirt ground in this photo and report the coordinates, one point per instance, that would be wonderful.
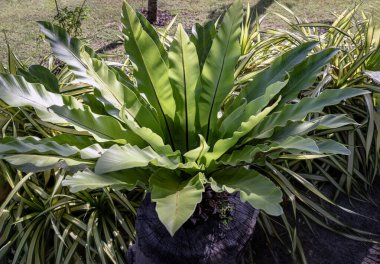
(324, 246)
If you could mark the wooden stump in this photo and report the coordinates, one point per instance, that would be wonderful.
(211, 241)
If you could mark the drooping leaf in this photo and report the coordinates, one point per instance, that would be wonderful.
(328, 146)
(249, 153)
(103, 128)
(84, 180)
(39, 163)
(303, 127)
(298, 111)
(218, 70)
(253, 187)
(175, 197)
(277, 71)
(88, 68)
(128, 156)
(305, 73)
(16, 91)
(66, 49)
(42, 75)
(33, 145)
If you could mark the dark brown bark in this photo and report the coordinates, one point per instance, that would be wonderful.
(152, 11)
(208, 242)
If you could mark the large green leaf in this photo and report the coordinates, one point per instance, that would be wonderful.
(34, 154)
(299, 111)
(118, 96)
(276, 72)
(66, 49)
(175, 197)
(88, 68)
(184, 75)
(128, 156)
(242, 113)
(41, 162)
(303, 127)
(304, 74)
(32, 145)
(16, 91)
(257, 153)
(40, 74)
(254, 188)
(151, 72)
(328, 146)
(218, 70)
(150, 30)
(103, 128)
(202, 37)
(83, 180)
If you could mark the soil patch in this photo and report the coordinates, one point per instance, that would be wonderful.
(163, 16)
(323, 246)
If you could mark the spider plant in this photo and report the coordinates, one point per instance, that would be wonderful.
(357, 36)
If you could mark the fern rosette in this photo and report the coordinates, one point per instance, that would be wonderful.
(176, 122)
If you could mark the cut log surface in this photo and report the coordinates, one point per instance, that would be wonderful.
(207, 242)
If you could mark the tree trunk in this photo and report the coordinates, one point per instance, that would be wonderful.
(152, 11)
(5, 189)
(206, 242)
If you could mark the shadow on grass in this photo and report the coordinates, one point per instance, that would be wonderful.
(259, 9)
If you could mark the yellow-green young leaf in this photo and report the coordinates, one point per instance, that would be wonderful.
(151, 72)
(218, 70)
(175, 197)
(184, 75)
(223, 145)
(195, 154)
(254, 188)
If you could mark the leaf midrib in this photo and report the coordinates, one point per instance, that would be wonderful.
(219, 77)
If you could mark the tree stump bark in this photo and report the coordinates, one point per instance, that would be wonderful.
(211, 241)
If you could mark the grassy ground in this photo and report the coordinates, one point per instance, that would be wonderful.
(17, 17)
